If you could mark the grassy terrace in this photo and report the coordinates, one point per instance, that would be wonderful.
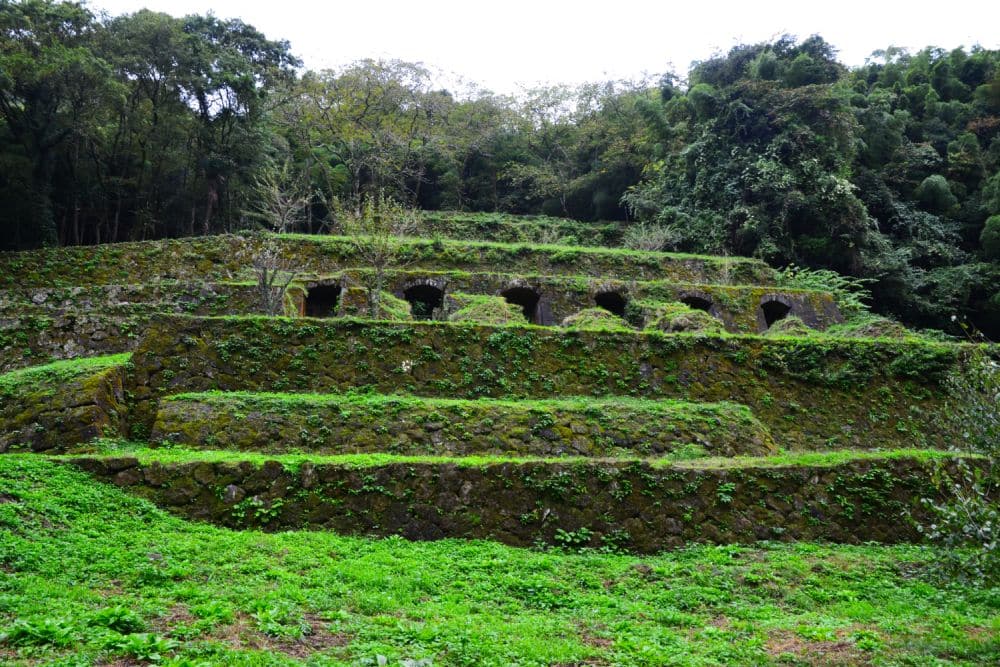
(172, 454)
(58, 372)
(93, 575)
(218, 258)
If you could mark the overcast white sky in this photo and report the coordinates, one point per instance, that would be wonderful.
(502, 44)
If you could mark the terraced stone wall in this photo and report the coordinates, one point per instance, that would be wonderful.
(169, 297)
(810, 393)
(629, 505)
(36, 335)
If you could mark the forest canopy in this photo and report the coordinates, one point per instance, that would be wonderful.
(144, 125)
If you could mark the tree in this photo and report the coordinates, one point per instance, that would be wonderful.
(990, 238)
(372, 114)
(50, 81)
(280, 197)
(374, 232)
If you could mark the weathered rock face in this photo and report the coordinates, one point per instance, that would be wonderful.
(828, 393)
(39, 336)
(454, 428)
(631, 505)
(55, 415)
(41, 324)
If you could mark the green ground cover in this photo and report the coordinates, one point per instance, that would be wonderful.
(684, 459)
(92, 575)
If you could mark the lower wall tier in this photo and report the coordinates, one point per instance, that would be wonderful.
(628, 504)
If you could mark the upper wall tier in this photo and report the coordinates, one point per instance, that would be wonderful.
(217, 258)
(741, 308)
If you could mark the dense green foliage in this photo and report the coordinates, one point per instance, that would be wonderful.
(92, 574)
(887, 172)
(144, 126)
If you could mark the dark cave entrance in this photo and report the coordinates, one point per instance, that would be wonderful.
(527, 299)
(613, 302)
(697, 302)
(424, 300)
(773, 311)
(322, 301)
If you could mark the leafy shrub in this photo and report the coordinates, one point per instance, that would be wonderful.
(851, 294)
(120, 619)
(648, 236)
(40, 632)
(967, 522)
(145, 646)
(990, 237)
(280, 619)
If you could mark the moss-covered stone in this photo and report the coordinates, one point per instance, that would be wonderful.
(676, 317)
(53, 407)
(412, 425)
(215, 258)
(483, 309)
(789, 326)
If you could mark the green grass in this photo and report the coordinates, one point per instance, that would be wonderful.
(89, 574)
(174, 454)
(817, 339)
(647, 255)
(58, 371)
(665, 407)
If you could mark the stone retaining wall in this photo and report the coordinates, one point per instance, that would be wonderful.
(629, 505)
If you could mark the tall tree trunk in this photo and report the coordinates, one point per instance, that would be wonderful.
(41, 178)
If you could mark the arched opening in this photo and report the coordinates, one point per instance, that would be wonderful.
(424, 299)
(526, 298)
(773, 311)
(697, 302)
(322, 301)
(613, 302)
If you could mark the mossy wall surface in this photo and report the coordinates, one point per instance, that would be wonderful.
(809, 393)
(409, 425)
(166, 297)
(38, 325)
(625, 504)
(221, 258)
(54, 407)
